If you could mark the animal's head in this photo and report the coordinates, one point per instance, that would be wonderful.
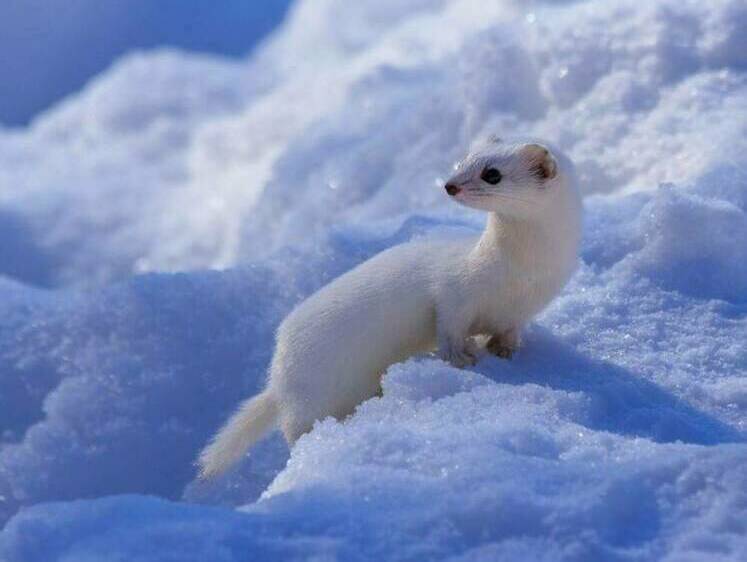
(517, 179)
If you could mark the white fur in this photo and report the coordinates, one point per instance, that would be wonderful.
(333, 348)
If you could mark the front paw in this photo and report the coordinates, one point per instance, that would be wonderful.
(502, 351)
(502, 346)
(459, 357)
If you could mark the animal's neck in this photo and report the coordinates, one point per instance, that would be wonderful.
(539, 242)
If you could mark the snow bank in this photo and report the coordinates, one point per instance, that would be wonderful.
(476, 469)
(192, 170)
(619, 430)
(616, 433)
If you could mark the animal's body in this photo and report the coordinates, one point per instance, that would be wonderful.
(332, 350)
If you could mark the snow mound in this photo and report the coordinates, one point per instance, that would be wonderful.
(478, 469)
(87, 187)
(213, 156)
(625, 415)
(711, 264)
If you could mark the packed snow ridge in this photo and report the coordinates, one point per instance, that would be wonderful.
(619, 432)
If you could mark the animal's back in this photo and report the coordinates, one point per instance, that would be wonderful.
(332, 349)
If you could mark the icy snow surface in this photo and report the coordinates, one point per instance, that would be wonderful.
(619, 432)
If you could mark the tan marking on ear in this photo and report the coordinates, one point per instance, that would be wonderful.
(541, 161)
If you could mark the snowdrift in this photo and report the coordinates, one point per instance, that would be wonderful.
(619, 432)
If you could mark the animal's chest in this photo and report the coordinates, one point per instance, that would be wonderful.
(508, 297)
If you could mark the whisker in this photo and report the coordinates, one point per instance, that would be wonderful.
(505, 196)
(513, 198)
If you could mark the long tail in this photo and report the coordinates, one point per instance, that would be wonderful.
(255, 417)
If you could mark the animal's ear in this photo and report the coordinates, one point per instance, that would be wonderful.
(541, 161)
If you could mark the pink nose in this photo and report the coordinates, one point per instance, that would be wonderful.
(452, 189)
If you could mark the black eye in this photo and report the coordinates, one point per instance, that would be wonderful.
(491, 175)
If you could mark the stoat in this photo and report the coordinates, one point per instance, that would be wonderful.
(333, 348)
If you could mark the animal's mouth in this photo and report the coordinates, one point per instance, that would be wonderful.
(461, 191)
(463, 195)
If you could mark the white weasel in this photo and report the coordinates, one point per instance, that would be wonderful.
(332, 350)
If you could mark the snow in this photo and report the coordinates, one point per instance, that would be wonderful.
(618, 432)
(49, 54)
